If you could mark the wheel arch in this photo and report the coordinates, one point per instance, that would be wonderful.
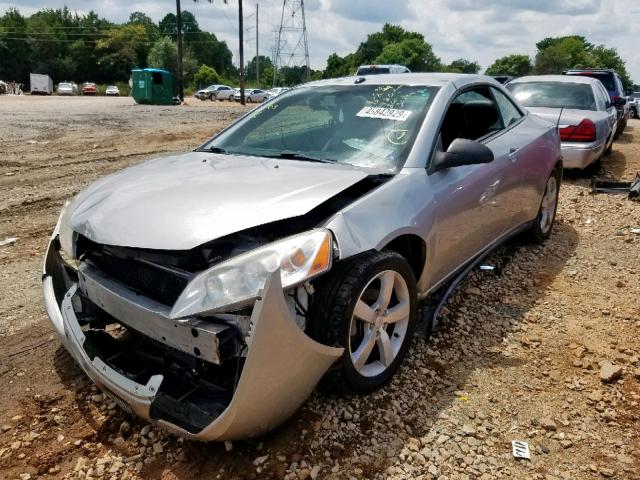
(414, 250)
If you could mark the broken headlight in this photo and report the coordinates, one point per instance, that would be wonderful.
(65, 232)
(238, 281)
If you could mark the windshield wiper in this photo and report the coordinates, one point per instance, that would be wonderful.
(291, 155)
(215, 149)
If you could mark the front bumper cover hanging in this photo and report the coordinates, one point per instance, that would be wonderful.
(282, 366)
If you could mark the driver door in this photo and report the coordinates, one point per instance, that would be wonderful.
(471, 200)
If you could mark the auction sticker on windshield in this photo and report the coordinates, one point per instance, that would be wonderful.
(384, 113)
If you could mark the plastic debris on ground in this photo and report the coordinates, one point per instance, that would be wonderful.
(8, 241)
(520, 449)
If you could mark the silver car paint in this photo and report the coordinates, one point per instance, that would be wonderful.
(183, 201)
(579, 155)
(180, 202)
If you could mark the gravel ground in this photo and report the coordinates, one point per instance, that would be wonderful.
(544, 349)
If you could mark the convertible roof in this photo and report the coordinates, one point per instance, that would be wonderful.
(427, 79)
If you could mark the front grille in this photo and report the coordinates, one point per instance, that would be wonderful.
(131, 267)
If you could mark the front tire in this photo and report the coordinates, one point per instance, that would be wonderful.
(543, 224)
(368, 307)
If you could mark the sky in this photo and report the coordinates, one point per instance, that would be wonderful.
(478, 30)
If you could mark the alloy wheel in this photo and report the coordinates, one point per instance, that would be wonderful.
(379, 323)
(549, 204)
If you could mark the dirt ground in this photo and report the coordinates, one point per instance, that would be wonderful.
(519, 355)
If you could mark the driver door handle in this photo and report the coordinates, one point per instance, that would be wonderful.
(513, 154)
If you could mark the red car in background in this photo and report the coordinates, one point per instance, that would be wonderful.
(89, 88)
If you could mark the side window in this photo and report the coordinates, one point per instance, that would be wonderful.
(604, 94)
(603, 97)
(510, 113)
(473, 115)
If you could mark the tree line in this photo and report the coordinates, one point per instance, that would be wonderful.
(555, 54)
(68, 46)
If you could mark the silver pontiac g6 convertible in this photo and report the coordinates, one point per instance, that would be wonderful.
(210, 292)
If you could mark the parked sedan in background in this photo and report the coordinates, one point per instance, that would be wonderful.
(634, 104)
(215, 92)
(112, 90)
(89, 88)
(210, 291)
(613, 84)
(274, 92)
(252, 95)
(581, 108)
(67, 88)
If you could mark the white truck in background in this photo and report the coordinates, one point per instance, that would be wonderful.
(40, 84)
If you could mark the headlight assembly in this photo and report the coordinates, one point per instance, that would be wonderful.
(237, 281)
(65, 233)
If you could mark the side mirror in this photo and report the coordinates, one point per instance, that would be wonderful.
(620, 102)
(608, 104)
(462, 152)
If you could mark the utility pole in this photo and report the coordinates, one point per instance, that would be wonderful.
(179, 40)
(257, 50)
(241, 39)
(241, 45)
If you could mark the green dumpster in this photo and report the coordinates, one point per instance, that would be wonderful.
(152, 86)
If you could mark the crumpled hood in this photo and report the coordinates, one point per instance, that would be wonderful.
(180, 202)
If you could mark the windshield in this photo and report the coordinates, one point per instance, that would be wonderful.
(368, 126)
(554, 95)
(64, 85)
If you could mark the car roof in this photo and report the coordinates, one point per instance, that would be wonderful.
(381, 65)
(419, 79)
(555, 78)
(587, 70)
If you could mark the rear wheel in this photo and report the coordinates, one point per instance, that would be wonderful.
(368, 307)
(543, 224)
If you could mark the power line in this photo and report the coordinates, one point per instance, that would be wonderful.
(61, 40)
(94, 34)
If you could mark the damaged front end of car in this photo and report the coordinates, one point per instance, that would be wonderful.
(192, 351)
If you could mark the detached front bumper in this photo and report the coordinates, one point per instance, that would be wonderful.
(577, 155)
(281, 368)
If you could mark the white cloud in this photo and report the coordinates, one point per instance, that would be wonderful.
(480, 31)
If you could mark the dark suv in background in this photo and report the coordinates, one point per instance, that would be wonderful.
(612, 82)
